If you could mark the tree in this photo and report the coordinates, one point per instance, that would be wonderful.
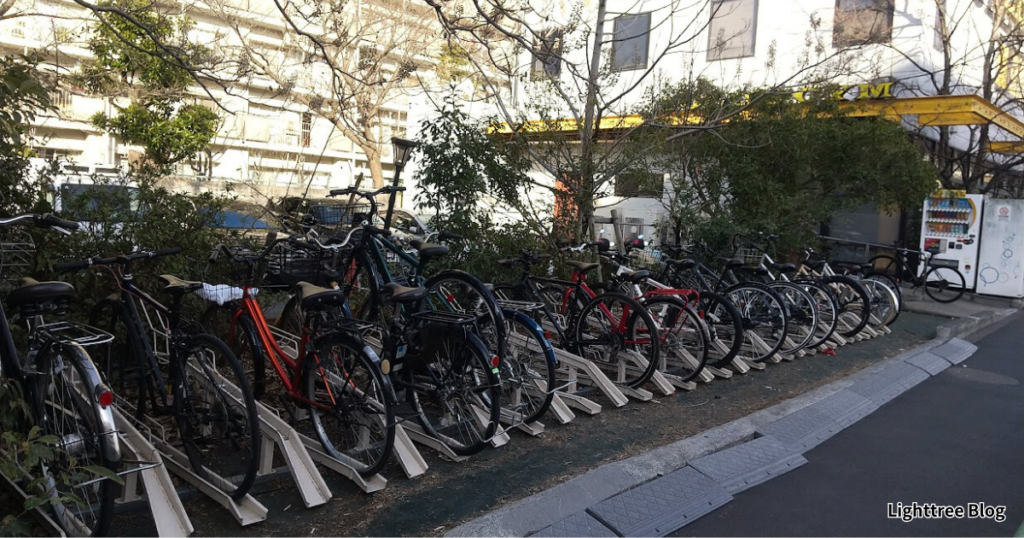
(785, 167)
(977, 50)
(345, 61)
(578, 76)
(129, 63)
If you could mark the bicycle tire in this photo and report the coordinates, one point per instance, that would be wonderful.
(95, 440)
(889, 280)
(946, 278)
(243, 432)
(527, 370)
(244, 343)
(469, 289)
(367, 402)
(600, 350)
(828, 309)
(765, 320)
(884, 303)
(852, 302)
(725, 326)
(890, 266)
(487, 396)
(683, 337)
(803, 316)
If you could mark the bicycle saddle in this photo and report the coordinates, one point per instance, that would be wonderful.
(398, 293)
(731, 263)
(854, 268)
(314, 297)
(783, 267)
(635, 276)
(35, 297)
(816, 265)
(686, 263)
(428, 250)
(582, 267)
(177, 285)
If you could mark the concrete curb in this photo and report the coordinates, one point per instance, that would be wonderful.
(576, 495)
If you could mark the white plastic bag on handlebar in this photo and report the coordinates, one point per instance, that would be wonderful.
(222, 293)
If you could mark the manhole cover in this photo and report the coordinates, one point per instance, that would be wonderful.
(981, 376)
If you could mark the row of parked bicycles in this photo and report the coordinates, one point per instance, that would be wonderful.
(367, 340)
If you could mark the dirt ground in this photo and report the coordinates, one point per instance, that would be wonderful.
(451, 493)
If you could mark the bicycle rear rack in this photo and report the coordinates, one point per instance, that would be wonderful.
(445, 317)
(69, 332)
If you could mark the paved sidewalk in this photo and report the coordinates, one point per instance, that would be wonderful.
(954, 439)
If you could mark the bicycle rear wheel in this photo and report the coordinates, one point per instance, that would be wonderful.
(455, 390)
(803, 315)
(827, 307)
(854, 304)
(610, 329)
(683, 338)
(944, 284)
(765, 321)
(457, 291)
(725, 327)
(216, 415)
(78, 478)
(527, 371)
(884, 302)
(354, 415)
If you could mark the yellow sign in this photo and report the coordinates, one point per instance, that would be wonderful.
(950, 193)
(856, 92)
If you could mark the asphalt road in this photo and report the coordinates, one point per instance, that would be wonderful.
(956, 438)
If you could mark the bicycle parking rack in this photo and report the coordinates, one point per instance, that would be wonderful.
(41, 516)
(246, 510)
(580, 371)
(169, 515)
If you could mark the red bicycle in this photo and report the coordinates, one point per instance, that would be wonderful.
(328, 370)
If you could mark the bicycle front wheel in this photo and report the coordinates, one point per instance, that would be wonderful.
(854, 304)
(81, 498)
(803, 315)
(725, 327)
(619, 335)
(944, 284)
(528, 369)
(765, 321)
(351, 407)
(683, 340)
(216, 415)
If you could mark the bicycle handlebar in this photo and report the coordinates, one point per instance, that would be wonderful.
(45, 220)
(115, 260)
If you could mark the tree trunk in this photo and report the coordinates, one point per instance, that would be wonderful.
(376, 169)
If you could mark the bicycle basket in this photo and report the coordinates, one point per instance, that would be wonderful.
(16, 254)
(242, 269)
(750, 256)
(339, 216)
(293, 265)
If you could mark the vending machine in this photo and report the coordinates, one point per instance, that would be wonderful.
(1001, 256)
(951, 229)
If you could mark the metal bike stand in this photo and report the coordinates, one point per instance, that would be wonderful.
(558, 408)
(683, 358)
(743, 366)
(722, 372)
(533, 429)
(408, 455)
(277, 432)
(415, 432)
(574, 366)
(169, 514)
(500, 437)
(340, 466)
(246, 510)
(658, 379)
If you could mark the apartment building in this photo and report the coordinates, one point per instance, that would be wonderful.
(269, 144)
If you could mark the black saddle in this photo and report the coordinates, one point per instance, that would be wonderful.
(783, 267)
(817, 265)
(34, 297)
(315, 298)
(687, 263)
(582, 267)
(731, 263)
(428, 250)
(398, 293)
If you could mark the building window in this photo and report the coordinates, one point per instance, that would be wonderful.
(862, 22)
(733, 29)
(547, 60)
(630, 42)
(62, 99)
(639, 183)
(307, 129)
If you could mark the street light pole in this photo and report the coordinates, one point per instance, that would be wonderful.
(402, 151)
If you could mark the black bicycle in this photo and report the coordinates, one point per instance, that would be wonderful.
(943, 283)
(187, 377)
(66, 396)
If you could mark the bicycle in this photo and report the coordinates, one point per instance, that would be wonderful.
(944, 284)
(65, 395)
(218, 432)
(331, 372)
(601, 328)
(852, 298)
